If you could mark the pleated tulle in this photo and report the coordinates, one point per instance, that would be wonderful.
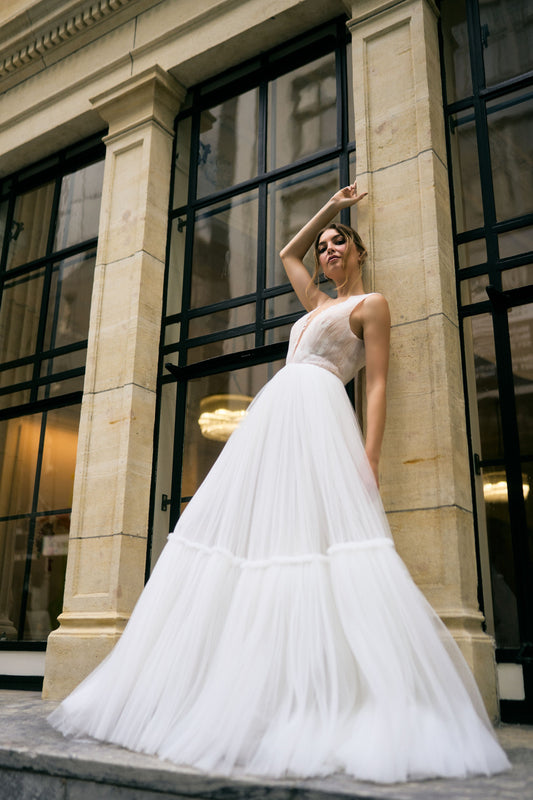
(280, 633)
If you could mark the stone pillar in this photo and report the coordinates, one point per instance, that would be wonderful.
(401, 159)
(107, 548)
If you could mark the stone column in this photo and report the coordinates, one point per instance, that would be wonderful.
(107, 548)
(401, 159)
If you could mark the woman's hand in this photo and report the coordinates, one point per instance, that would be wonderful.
(293, 253)
(348, 196)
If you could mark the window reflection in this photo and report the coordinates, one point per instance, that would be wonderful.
(79, 206)
(456, 51)
(302, 112)
(69, 304)
(200, 452)
(19, 317)
(19, 445)
(465, 167)
(30, 226)
(291, 203)
(510, 124)
(521, 333)
(506, 35)
(228, 143)
(486, 384)
(181, 163)
(224, 251)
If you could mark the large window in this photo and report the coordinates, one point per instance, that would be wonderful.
(257, 152)
(48, 227)
(488, 69)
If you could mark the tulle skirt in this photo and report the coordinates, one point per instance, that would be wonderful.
(280, 634)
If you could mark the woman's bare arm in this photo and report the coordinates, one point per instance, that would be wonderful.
(293, 253)
(374, 317)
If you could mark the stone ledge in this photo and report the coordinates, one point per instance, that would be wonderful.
(36, 761)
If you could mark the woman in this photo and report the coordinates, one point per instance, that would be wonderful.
(280, 634)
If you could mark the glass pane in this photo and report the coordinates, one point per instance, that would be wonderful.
(51, 366)
(172, 333)
(472, 253)
(521, 333)
(278, 334)
(59, 458)
(351, 112)
(281, 305)
(510, 122)
(30, 226)
(527, 486)
(165, 459)
(222, 348)
(224, 254)
(473, 290)
(3, 220)
(69, 305)
(501, 561)
(13, 545)
(228, 143)
(506, 35)
(79, 206)
(16, 375)
(176, 260)
(182, 162)
(47, 576)
(514, 243)
(291, 202)
(302, 112)
(456, 51)
(465, 166)
(206, 396)
(480, 332)
(19, 316)
(519, 276)
(222, 320)
(19, 445)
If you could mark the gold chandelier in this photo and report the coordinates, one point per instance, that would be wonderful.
(221, 413)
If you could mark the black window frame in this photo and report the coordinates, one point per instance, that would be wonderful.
(51, 169)
(475, 108)
(333, 37)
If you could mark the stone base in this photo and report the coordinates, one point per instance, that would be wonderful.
(478, 649)
(76, 648)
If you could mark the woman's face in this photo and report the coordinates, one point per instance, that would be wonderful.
(336, 254)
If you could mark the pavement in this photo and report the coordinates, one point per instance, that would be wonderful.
(37, 763)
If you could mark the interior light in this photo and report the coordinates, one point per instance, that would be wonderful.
(495, 487)
(220, 414)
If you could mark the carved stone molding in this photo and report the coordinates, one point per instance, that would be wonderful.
(56, 34)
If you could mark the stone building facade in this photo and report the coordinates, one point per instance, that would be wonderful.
(93, 90)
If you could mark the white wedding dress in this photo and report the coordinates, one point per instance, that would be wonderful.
(280, 633)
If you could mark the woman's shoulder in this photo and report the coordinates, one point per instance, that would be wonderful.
(373, 306)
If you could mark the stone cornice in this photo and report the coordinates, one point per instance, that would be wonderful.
(34, 38)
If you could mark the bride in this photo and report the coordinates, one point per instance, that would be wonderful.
(280, 634)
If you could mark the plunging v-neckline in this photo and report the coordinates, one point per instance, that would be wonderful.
(316, 313)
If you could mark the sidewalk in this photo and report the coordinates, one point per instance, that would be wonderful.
(37, 763)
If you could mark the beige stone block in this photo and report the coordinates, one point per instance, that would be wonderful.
(437, 545)
(125, 323)
(394, 118)
(107, 575)
(112, 485)
(70, 657)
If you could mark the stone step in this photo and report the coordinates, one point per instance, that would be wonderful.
(37, 763)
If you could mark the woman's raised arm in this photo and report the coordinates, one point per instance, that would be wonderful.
(293, 253)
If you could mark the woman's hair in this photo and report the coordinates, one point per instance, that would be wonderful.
(346, 231)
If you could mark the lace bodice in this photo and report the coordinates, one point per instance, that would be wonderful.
(323, 337)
